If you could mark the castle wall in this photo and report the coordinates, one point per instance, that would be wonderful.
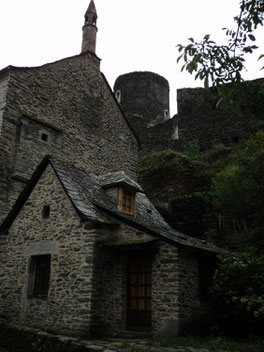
(202, 117)
(199, 119)
(66, 110)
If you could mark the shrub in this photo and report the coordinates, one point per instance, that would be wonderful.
(238, 292)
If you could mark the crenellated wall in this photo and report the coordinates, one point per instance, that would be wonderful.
(201, 115)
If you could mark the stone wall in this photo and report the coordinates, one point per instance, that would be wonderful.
(175, 288)
(199, 119)
(4, 160)
(189, 300)
(65, 109)
(165, 276)
(67, 308)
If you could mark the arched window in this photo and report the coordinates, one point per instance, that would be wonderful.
(166, 114)
(118, 96)
(175, 133)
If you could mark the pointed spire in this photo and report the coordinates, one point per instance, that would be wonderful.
(91, 8)
(89, 29)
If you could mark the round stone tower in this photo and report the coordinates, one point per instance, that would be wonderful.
(144, 98)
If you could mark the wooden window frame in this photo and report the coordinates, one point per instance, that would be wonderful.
(129, 197)
(39, 275)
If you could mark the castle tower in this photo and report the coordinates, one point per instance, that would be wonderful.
(89, 29)
(144, 98)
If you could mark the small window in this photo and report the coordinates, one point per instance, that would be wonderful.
(166, 114)
(46, 211)
(39, 275)
(127, 201)
(175, 133)
(44, 136)
(94, 20)
(118, 96)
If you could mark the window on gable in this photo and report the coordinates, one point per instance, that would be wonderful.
(39, 275)
(127, 200)
(45, 211)
(44, 136)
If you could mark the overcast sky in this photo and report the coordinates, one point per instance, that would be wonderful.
(133, 35)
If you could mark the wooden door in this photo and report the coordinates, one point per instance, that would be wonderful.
(139, 293)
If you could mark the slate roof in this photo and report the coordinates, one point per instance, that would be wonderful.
(90, 200)
(118, 178)
(87, 194)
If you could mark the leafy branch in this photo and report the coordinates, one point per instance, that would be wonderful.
(221, 64)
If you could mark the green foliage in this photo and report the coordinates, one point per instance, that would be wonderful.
(212, 343)
(224, 63)
(3, 315)
(192, 149)
(238, 292)
(185, 214)
(221, 64)
(216, 152)
(170, 173)
(238, 190)
(133, 349)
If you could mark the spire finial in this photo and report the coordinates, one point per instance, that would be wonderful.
(89, 29)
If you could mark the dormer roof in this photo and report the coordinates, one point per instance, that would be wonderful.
(119, 179)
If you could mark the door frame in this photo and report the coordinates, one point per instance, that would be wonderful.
(143, 316)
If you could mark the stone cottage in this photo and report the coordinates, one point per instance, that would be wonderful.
(87, 254)
(82, 249)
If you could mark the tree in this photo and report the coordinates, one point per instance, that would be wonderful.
(218, 65)
(238, 190)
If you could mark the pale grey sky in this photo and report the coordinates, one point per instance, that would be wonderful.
(133, 35)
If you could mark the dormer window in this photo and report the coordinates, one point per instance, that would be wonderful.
(122, 191)
(127, 200)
